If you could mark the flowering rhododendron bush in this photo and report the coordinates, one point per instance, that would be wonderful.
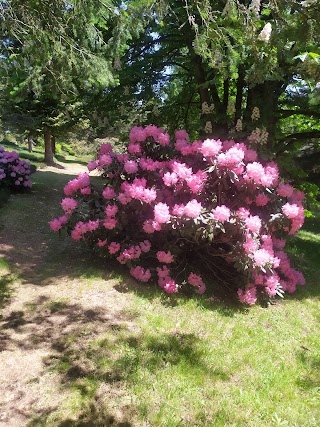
(186, 214)
(14, 172)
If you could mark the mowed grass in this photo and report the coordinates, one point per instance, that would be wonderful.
(175, 360)
(36, 157)
(200, 362)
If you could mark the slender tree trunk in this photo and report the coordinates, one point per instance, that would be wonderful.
(225, 95)
(48, 154)
(53, 144)
(239, 96)
(30, 143)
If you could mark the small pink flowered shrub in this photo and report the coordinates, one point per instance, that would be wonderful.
(186, 214)
(14, 172)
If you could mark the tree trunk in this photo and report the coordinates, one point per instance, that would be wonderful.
(239, 96)
(48, 154)
(265, 97)
(53, 144)
(30, 143)
(218, 118)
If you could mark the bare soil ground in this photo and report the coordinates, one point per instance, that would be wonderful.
(51, 308)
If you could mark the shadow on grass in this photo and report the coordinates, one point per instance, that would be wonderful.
(66, 333)
(311, 368)
(97, 356)
(304, 250)
(64, 159)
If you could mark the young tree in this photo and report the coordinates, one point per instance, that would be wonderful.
(53, 53)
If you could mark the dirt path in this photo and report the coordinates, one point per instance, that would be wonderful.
(50, 309)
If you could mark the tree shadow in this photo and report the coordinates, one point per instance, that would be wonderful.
(97, 355)
(304, 250)
(310, 378)
(62, 158)
(65, 332)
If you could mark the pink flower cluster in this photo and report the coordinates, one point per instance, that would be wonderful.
(167, 209)
(14, 172)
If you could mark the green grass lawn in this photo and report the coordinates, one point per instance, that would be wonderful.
(173, 360)
(36, 157)
(200, 362)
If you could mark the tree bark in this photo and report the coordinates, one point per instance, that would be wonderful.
(225, 95)
(30, 143)
(48, 153)
(53, 144)
(265, 97)
(239, 96)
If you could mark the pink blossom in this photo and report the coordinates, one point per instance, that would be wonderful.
(262, 200)
(110, 223)
(192, 209)
(140, 274)
(250, 155)
(114, 247)
(169, 285)
(183, 146)
(150, 226)
(151, 130)
(285, 190)
(243, 213)
(92, 225)
(111, 210)
(255, 171)
(170, 179)
(101, 243)
(163, 138)
(278, 243)
(137, 134)
(262, 257)
(271, 176)
(253, 223)
(178, 210)
(131, 166)
(290, 210)
(231, 157)
(211, 147)
(196, 182)
(145, 246)
(165, 257)
(105, 148)
(182, 170)
(196, 280)
(250, 245)
(85, 190)
(221, 213)
(105, 160)
(124, 199)
(93, 165)
(68, 204)
(108, 193)
(249, 296)
(162, 271)
(297, 196)
(134, 148)
(272, 284)
(56, 224)
(181, 134)
(161, 213)
(133, 252)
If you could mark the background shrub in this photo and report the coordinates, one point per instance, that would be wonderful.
(14, 172)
